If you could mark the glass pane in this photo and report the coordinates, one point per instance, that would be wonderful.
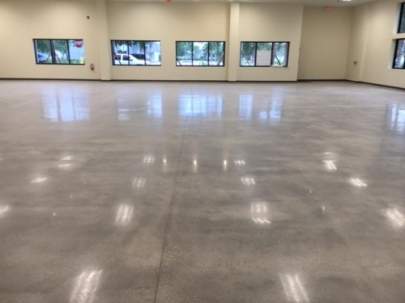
(400, 54)
(136, 53)
(152, 54)
(402, 19)
(43, 49)
(280, 56)
(217, 53)
(60, 49)
(120, 52)
(200, 53)
(184, 53)
(247, 53)
(263, 55)
(76, 51)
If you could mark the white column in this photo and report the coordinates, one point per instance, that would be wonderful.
(103, 41)
(233, 38)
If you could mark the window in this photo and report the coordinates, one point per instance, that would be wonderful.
(401, 27)
(260, 54)
(59, 51)
(399, 58)
(136, 53)
(200, 53)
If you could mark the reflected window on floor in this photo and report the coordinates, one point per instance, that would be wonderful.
(396, 118)
(65, 107)
(193, 105)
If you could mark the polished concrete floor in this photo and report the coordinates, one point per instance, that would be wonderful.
(131, 192)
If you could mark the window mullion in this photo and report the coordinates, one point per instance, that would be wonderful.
(208, 54)
(255, 54)
(192, 53)
(52, 51)
(144, 53)
(128, 43)
(68, 50)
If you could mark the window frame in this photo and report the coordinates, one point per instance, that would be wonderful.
(144, 51)
(395, 54)
(53, 51)
(273, 43)
(401, 14)
(192, 52)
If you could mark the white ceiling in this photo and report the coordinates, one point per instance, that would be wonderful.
(307, 2)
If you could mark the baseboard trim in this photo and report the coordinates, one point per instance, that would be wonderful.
(209, 81)
(46, 79)
(377, 84)
(147, 80)
(322, 80)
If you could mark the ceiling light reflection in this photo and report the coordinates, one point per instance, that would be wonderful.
(66, 158)
(239, 163)
(85, 286)
(293, 288)
(138, 182)
(248, 181)
(330, 165)
(357, 182)
(259, 213)
(195, 165)
(148, 159)
(39, 180)
(395, 217)
(4, 209)
(225, 165)
(124, 214)
(64, 165)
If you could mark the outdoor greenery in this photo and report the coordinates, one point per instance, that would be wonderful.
(200, 53)
(49, 51)
(264, 54)
(136, 52)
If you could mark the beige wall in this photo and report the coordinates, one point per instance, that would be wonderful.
(372, 41)
(271, 22)
(21, 21)
(168, 23)
(325, 43)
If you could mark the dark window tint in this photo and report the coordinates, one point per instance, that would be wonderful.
(401, 28)
(399, 58)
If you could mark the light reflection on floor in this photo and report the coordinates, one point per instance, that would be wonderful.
(186, 163)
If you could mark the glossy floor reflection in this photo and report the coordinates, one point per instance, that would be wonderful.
(181, 192)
